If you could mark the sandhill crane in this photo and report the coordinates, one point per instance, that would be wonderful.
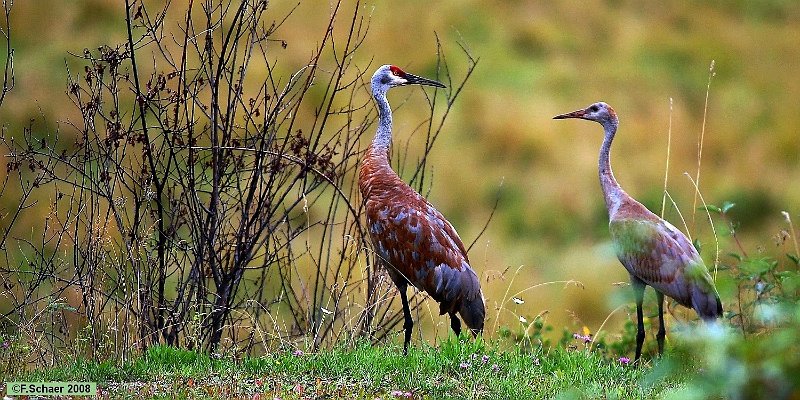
(412, 239)
(654, 252)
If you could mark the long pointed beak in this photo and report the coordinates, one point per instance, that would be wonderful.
(574, 114)
(412, 79)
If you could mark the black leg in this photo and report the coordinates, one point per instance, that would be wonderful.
(409, 323)
(638, 291)
(662, 331)
(455, 323)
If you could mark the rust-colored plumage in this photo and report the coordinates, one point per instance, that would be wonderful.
(416, 244)
(654, 252)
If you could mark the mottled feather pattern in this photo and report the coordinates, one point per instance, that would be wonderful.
(657, 253)
(414, 239)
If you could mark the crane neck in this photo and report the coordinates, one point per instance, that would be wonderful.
(612, 191)
(376, 175)
(383, 137)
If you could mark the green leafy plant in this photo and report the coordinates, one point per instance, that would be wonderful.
(755, 352)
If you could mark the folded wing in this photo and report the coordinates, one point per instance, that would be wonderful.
(657, 253)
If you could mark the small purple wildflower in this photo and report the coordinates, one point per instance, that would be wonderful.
(400, 393)
(495, 368)
(298, 353)
(624, 360)
(584, 338)
(6, 344)
(465, 365)
(485, 359)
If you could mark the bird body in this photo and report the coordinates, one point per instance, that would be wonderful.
(413, 240)
(421, 246)
(659, 255)
(654, 252)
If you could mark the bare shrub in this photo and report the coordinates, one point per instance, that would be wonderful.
(199, 188)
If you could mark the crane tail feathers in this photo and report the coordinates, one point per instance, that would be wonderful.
(707, 305)
(473, 312)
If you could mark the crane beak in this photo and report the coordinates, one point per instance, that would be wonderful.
(575, 114)
(412, 79)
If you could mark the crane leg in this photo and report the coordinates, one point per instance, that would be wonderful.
(662, 331)
(409, 322)
(638, 291)
(455, 323)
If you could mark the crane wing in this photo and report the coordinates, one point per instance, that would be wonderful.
(420, 245)
(657, 253)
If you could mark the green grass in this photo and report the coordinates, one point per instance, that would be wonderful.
(454, 370)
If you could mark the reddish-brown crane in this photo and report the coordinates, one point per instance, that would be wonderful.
(415, 243)
(654, 252)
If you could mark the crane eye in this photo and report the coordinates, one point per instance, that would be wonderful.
(593, 108)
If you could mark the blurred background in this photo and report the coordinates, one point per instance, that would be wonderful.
(650, 61)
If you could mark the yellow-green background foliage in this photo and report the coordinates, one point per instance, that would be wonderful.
(650, 60)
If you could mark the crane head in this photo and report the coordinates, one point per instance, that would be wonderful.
(389, 76)
(598, 112)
